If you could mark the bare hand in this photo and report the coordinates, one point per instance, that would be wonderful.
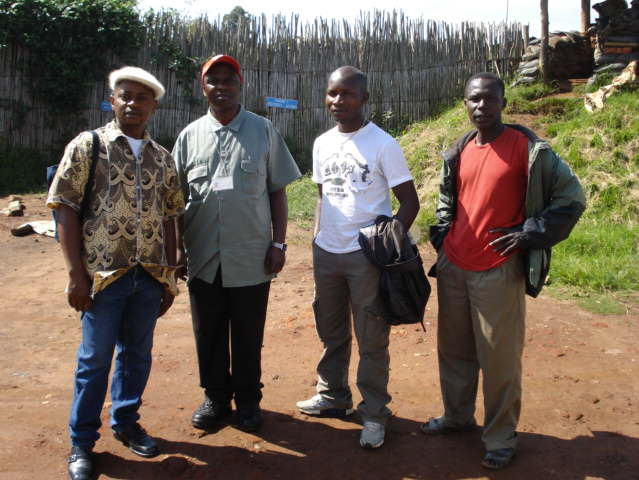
(79, 292)
(513, 239)
(274, 261)
(167, 301)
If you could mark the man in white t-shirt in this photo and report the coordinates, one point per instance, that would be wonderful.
(354, 165)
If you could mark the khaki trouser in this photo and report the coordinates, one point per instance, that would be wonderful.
(481, 326)
(345, 282)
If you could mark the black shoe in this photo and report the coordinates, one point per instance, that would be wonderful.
(80, 466)
(209, 414)
(249, 419)
(138, 441)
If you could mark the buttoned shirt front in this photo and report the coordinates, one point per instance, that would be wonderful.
(226, 174)
(131, 198)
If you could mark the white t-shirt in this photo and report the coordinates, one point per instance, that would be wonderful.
(135, 144)
(356, 171)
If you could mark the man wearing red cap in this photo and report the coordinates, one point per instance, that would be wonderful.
(233, 168)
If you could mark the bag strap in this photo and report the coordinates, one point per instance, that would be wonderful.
(90, 180)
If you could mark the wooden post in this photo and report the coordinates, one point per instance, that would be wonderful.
(526, 35)
(543, 57)
(585, 15)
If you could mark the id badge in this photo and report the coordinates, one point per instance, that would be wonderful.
(222, 183)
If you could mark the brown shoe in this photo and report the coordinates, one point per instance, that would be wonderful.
(498, 459)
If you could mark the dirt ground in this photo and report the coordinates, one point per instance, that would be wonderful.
(580, 415)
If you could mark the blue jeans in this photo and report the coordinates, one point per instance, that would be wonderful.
(123, 318)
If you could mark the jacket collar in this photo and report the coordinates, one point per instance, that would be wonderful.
(453, 153)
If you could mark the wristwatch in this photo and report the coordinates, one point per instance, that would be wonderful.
(281, 246)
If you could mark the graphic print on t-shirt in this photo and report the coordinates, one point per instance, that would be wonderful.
(343, 170)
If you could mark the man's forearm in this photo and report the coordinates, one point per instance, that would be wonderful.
(318, 212)
(70, 235)
(279, 214)
(170, 241)
(408, 203)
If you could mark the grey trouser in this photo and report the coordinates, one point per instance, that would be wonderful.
(481, 326)
(345, 282)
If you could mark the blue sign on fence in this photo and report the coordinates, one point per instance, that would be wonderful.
(105, 106)
(281, 103)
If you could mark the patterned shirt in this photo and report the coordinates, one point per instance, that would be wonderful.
(130, 199)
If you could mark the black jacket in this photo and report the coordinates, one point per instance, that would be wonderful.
(403, 286)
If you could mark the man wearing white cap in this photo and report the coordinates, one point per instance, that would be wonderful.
(116, 227)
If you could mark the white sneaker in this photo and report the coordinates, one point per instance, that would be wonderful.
(372, 435)
(321, 407)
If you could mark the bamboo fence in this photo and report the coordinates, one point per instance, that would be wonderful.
(414, 67)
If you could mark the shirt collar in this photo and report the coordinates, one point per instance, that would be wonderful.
(112, 131)
(234, 124)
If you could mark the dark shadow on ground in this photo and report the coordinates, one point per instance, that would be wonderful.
(316, 451)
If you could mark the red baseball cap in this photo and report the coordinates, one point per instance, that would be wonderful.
(220, 59)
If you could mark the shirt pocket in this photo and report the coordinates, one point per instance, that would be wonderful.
(253, 176)
(198, 179)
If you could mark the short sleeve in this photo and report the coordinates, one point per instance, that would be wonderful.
(174, 200)
(69, 182)
(281, 166)
(317, 174)
(180, 155)
(392, 164)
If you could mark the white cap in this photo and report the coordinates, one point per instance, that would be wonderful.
(139, 75)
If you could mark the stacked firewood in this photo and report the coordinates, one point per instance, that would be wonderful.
(570, 56)
(616, 34)
(609, 46)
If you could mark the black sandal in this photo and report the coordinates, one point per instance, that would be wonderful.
(498, 459)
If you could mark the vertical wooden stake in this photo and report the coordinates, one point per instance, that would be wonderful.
(585, 15)
(543, 57)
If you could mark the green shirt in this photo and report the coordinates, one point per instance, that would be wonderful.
(226, 173)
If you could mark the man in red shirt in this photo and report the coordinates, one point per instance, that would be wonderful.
(505, 199)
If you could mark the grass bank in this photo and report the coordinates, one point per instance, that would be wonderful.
(599, 264)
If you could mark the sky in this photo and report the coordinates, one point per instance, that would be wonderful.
(563, 14)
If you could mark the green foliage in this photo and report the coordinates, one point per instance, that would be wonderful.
(301, 152)
(600, 259)
(598, 256)
(601, 80)
(185, 68)
(533, 91)
(69, 42)
(235, 17)
(302, 198)
(522, 99)
(423, 143)
(22, 170)
(388, 121)
(602, 148)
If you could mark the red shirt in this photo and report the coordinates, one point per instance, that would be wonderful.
(491, 187)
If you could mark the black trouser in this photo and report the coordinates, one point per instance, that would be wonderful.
(214, 309)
